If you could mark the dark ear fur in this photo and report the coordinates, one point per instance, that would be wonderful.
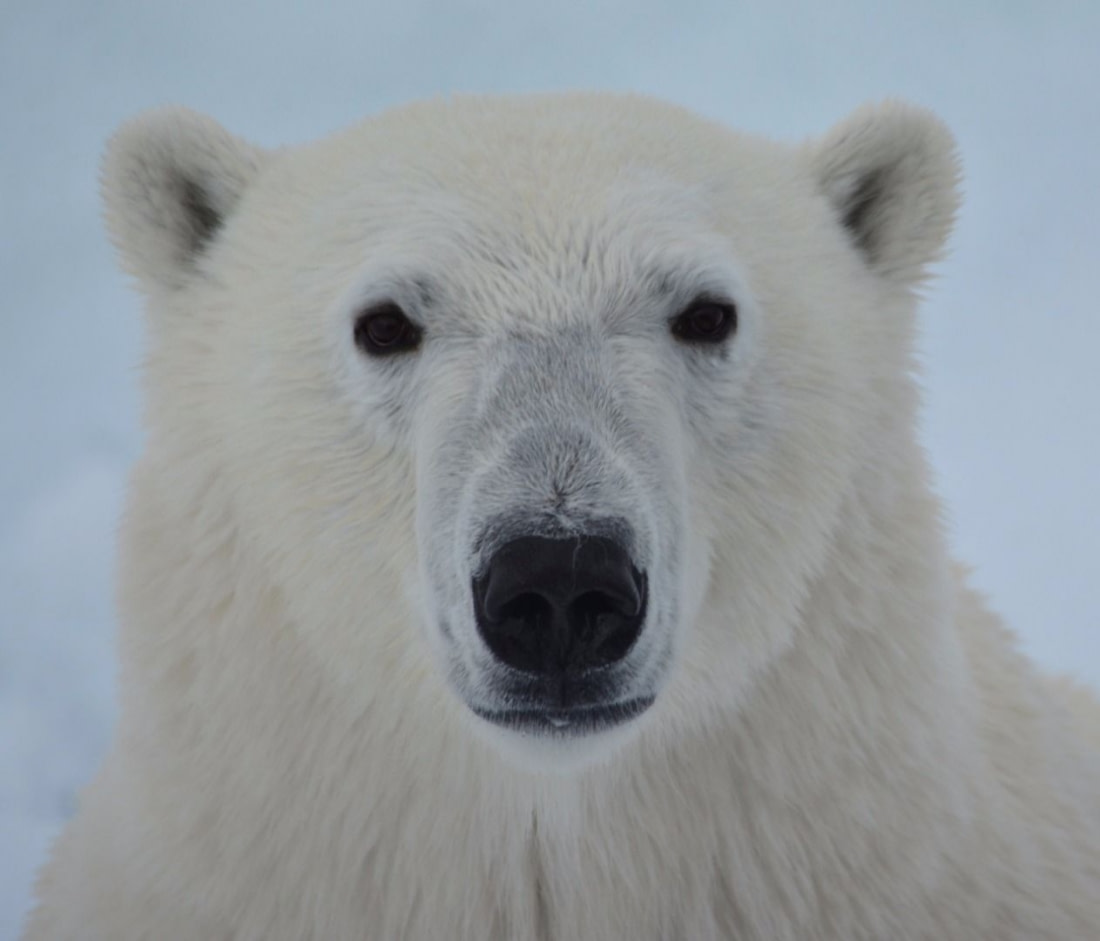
(170, 179)
(892, 173)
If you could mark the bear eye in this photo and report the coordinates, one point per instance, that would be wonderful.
(385, 329)
(705, 320)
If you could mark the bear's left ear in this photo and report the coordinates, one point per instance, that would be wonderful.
(171, 178)
(892, 173)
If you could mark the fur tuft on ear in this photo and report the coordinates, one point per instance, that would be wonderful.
(892, 173)
(170, 179)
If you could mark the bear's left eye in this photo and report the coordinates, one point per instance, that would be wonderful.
(705, 320)
(385, 329)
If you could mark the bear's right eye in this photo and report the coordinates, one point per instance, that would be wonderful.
(385, 329)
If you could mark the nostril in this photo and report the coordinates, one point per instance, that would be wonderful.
(592, 612)
(605, 626)
(526, 610)
(517, 625)
(619, 595)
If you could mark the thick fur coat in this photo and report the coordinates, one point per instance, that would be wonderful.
(843, 742)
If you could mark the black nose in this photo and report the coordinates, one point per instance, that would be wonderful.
(555, 606)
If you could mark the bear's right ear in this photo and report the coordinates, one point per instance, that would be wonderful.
(170, 179)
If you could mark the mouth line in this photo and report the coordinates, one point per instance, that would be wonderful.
(563, 723)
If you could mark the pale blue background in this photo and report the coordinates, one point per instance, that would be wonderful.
(1011, 328)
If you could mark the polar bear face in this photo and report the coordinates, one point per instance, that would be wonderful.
(568, 391)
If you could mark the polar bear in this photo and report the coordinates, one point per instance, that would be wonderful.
(533, 542)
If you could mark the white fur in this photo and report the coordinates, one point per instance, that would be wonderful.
(844, 743)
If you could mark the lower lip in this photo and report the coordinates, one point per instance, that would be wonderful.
(567, 722)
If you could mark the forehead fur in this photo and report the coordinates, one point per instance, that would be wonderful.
(534, 152)
(539, 191)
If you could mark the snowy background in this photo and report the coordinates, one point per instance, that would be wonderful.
(1012, 328)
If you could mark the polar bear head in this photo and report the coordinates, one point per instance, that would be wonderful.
(541, 411)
